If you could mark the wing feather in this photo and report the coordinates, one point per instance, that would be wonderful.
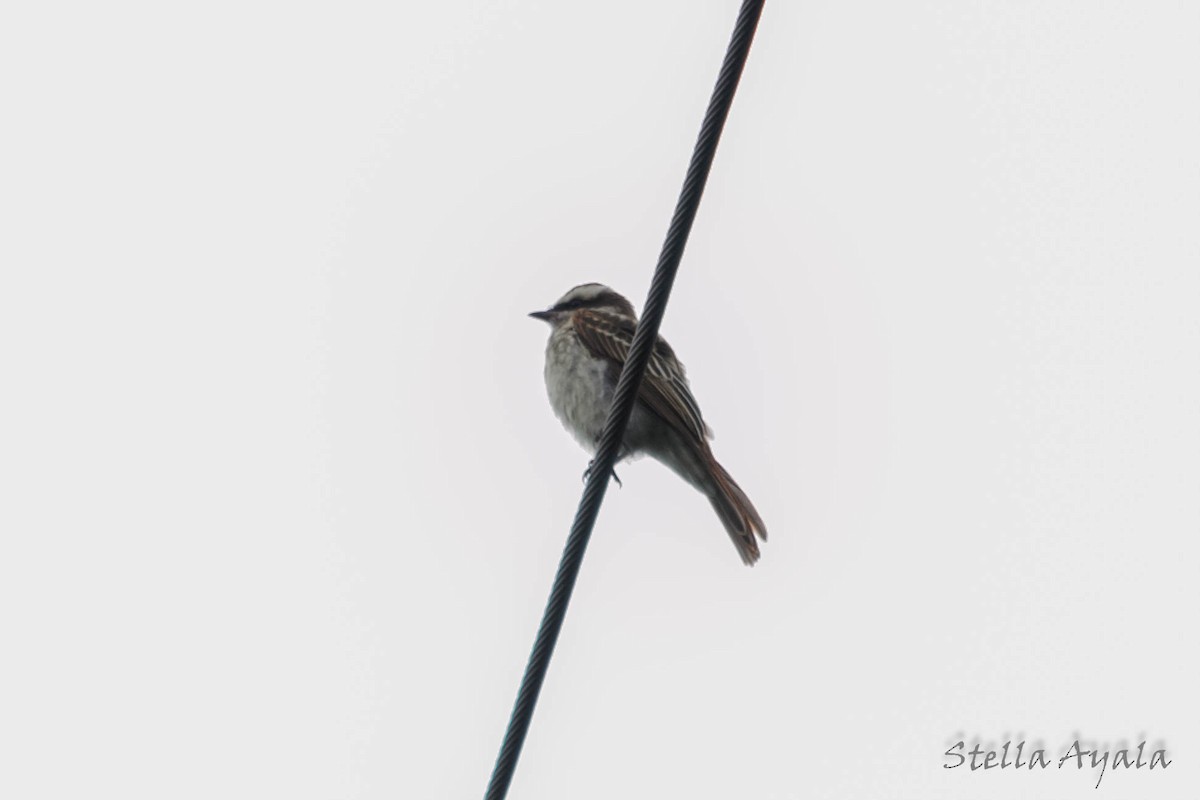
(664, 388)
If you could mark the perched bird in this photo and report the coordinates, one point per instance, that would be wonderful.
(591, 331)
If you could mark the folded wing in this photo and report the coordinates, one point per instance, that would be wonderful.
(664, 388)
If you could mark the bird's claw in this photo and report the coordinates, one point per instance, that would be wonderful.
(587, 473)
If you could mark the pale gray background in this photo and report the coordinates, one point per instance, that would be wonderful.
(282, 494)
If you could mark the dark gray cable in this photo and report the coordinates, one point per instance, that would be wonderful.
(626, 394)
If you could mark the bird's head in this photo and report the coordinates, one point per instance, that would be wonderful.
(587, 295)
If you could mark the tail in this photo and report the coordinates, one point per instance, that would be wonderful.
(737, 513)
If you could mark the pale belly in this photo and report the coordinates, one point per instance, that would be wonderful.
(580, 388)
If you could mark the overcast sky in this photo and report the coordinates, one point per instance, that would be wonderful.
(282, 494)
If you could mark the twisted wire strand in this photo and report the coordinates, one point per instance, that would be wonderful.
(625, 396)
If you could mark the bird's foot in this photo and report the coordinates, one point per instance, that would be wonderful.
(587, 473)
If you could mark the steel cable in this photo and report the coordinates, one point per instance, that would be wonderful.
(625, 396)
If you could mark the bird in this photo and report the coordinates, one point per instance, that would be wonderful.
(592, 329)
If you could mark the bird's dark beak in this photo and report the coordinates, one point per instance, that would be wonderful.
(542, 315)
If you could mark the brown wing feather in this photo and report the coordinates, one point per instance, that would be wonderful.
(664, 388)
